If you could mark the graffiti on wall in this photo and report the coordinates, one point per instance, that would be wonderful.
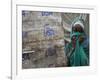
(46, 13)
(48, 31)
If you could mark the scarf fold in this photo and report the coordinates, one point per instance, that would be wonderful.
(78, 57)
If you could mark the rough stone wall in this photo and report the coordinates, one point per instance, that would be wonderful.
(42, 33)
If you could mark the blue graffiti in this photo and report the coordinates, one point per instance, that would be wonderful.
(49, 31)
(46, 13)
(24, 34)
(23, 13)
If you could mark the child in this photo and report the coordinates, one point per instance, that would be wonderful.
(77, 51)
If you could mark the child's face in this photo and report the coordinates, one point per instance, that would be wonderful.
(77, 28)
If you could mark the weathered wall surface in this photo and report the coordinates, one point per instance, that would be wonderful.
(43, 34)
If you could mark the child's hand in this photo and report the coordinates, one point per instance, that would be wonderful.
(81, 39)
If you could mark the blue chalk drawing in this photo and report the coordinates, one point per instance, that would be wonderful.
(46, 13)
(24, 34)
(23, 13)
(49, 31)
